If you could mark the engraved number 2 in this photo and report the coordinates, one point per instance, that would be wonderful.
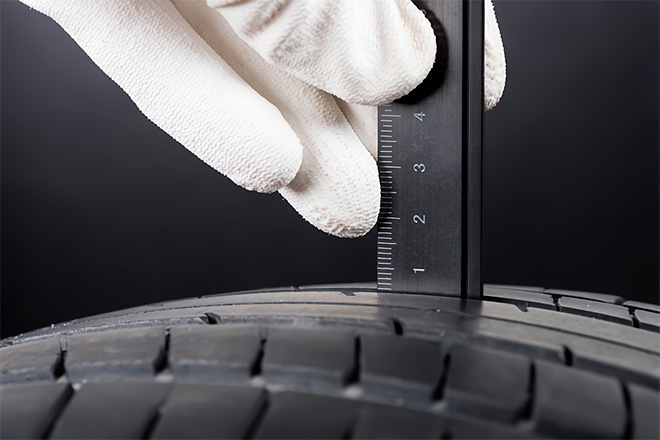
(418, 219)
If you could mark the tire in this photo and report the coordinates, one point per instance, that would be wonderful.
(342, 362)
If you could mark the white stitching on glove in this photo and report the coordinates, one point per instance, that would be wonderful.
(248, 85)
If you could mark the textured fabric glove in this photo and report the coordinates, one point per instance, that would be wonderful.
(260, 89)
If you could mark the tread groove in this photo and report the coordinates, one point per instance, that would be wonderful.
(568, 356)
(354, 376)
(255, 369)
(58, 369)
(555, 299)
(350, 429)
(635, 320)
(162, 361)
(528, 410)
(212, 318)
(151, 425)
(258, 418)
(398, 326)
(60, 366)
(629, 412)
(439, 392)
(56, 417)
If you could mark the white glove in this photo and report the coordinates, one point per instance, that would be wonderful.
(248, 85)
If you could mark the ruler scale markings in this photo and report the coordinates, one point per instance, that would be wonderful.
(430, 167)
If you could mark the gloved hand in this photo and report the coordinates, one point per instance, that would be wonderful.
(248, 85)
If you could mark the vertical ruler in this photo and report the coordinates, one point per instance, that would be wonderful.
(430, 147)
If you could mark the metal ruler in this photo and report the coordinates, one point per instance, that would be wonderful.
(430, 150)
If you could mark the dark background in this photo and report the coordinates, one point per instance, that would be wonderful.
(101, 210)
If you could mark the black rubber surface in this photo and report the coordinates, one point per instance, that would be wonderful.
(342, 362)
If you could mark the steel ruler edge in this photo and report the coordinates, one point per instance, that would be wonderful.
(430, 165)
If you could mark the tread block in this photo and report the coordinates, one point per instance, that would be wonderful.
(114, 354)
(522, 297)
(458, 427)
(648, 320)
(643, 306)
(571, 403)
(645, 407)
(604, 311)
(26, 411)
(400, 367)
(29, 361)
(295, 415)
(309, 358)
(214, 352)
(382, 421)
(196, 411)
(621, 362)
(601, 297)
(487, 383)
(111, 410)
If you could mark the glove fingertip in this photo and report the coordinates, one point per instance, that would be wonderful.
(341, 197)
(270, 179)
(403, 66)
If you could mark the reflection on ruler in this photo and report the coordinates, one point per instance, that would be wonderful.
(429, 160)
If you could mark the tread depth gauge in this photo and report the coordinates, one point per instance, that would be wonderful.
(429, 159)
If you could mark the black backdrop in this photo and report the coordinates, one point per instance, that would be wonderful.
(101, 210)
